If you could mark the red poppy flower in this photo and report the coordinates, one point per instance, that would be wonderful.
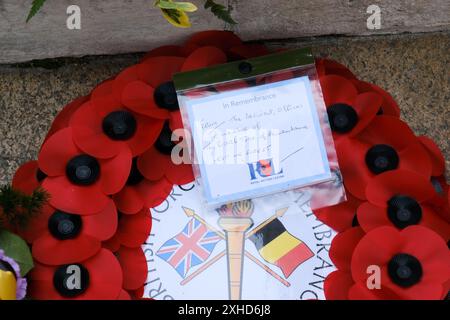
(62, 119)
(103, 127)
(348, 112)
(342, 216)
(98, 278)
(78, 182)
(224, 40)
(167, 51)
(414, 264)
(140, 192)
(60, 237)
(401, 198)
(134, 267)
(156, 163)
(28, 177)
(132, 231)
(338, 283)
(388, 106)
(386, 144)
(330, 67)
(435, 154)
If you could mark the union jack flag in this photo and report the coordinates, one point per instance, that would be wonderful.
(190, 247)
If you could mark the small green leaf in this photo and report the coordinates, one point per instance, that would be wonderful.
(182, 6)
(220, 11)
(17, 249)
(37, 4)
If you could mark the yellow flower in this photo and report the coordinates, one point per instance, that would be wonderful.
(175, 12)
(7, 285)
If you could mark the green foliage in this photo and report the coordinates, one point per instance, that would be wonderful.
(182, 6)
(220, 11)
(16, 208)
(35, 7)
(17, 249)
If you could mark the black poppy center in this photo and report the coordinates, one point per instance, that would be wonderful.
(164, 143)
(71, 280)
(343, 118)
(381, 158)
(40, 175)
(404, 211)
(83, 170)
(135, 175)
(119, 125)
(165, 96)
(405, 270)
(63, 225)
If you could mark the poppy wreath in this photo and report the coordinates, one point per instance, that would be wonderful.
(106, 160)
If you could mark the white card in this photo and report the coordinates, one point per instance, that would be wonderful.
(188, 259)
(258, 140)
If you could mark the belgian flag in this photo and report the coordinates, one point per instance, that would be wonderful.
(277, 246)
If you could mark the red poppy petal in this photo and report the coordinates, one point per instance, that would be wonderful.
(175, 121)
(51, 251)
(436, 156)
(330, 67)
(371, 217)
(389, 106)
(134, 267)
(179, 173)
(112, 244)
(366, 106)
(96, 144)
(153, 164)
(153, 193)
(415, 158)
(216, 38)
(337, 89)
(134, 229)
(337, 284)
(56, 152)
(351, 154)
(147, 131)
(388, 130)
(102, 225)
(247, 51)
(128, 200)
(156, 71)
(339, 217)
(105, 277)
(25, 178)
(359, 291)
(432, 220)
(342, 247)
(138, 96)
(384, 186)
(128, 75)
(103, 106)
(376, 248)
(204, 57)
(37, 225)
(62, 119)
(431, 250)
(77, 199)
(103, 89)
(420, 291)
(115, 171)
(170, 50)
(124, 295)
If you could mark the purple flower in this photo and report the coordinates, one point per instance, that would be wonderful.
(12, 266)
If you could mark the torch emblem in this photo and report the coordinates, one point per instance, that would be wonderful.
(196, 242)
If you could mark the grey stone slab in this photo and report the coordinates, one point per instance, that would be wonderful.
(117, 26)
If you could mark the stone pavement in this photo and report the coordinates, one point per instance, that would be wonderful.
(413, 68)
